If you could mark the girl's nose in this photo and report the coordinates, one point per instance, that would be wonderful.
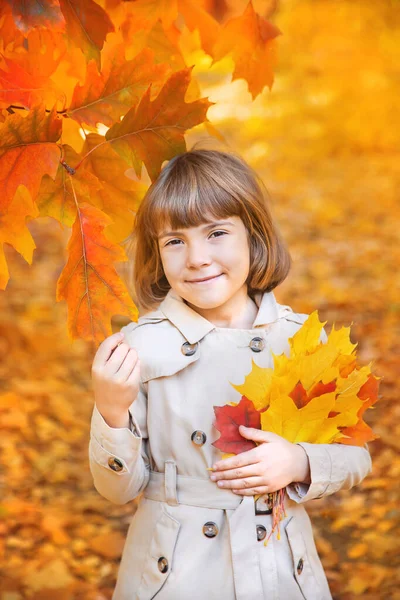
(197, 256)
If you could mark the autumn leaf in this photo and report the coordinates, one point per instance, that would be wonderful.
(13, 230)
(28, 151)
(301, 397)
(196, 17)
(256, 386)
(89, 282)
(228, 419)
(87, 25)
(255, 55)
(25, 75)
(154, 131)
(307, 338)
(307, 424)
(36, 13)
(305, 397)
(108, 95)
(58, 197)
(119, 196)
(147, 12)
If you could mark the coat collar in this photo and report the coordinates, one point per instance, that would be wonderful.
(194, 327)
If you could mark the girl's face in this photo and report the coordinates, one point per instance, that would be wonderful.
(217, 251)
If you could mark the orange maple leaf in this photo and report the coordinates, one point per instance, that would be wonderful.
(28, 150)
(87, 25)
(154, 131)
(106, 96)
(89, 282)
(14, 231)
(119, 196)
(250, 39)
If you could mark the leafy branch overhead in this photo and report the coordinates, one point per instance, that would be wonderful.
(92, 93)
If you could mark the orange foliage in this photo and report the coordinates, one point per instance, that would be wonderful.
(113, 73)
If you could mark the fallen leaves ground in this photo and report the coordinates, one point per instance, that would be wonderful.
(325, 141)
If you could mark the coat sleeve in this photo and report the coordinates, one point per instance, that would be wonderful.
(333, 467)
(118, 457)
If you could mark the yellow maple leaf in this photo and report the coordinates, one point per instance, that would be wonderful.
(307, 338)
(310, 423)
(256, 386)
(297, 397)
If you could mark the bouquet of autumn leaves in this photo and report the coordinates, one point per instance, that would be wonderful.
(317, 394)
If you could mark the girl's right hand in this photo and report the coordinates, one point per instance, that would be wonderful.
(115, 378)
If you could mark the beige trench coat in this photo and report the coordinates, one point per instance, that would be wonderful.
(187, 365)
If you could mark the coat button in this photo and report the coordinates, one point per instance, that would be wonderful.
(162, 564)
(257, 344)
(115, 464)
(261, 532)
(300, 565)
(189, 349)
(210, 529)
(198, 437)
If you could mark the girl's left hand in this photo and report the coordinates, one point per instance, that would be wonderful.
(271, 466)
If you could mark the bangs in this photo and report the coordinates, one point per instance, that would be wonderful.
(189, 200)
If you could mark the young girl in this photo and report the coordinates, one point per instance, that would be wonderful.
(207, 256)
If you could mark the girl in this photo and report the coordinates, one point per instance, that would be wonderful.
(207, 257)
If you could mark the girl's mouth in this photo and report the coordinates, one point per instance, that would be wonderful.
(204, 281)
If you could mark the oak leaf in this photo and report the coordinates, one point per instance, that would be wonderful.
(13, 230)
(154, 131)
(255, 54)
(28, 151)
(89, 282)
(119, 196)
(87, 25)
(108, 95)
(59, 198)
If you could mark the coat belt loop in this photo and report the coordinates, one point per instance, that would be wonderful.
(171, 496)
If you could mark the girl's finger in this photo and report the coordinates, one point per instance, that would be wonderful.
(117, 357)
(134, 376)
(106, 349)
(127, 365)
(241, 460)
(237, 473)
(242, 484)
(253, 491)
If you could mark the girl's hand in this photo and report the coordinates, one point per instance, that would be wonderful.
(115, 378)
(267, 468)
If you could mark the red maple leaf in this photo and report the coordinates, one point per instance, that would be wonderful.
(228, 419)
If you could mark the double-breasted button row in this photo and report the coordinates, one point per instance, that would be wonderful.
(210, 530)
(257, 344)
(198, 437)
(115, 464)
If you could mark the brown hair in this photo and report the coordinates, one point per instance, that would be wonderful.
(192, 187)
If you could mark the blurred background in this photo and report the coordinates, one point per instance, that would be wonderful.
(325, 140)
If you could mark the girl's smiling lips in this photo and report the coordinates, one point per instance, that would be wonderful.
(205, 279)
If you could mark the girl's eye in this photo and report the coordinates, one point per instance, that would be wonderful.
(172, 242)
(223, 233)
